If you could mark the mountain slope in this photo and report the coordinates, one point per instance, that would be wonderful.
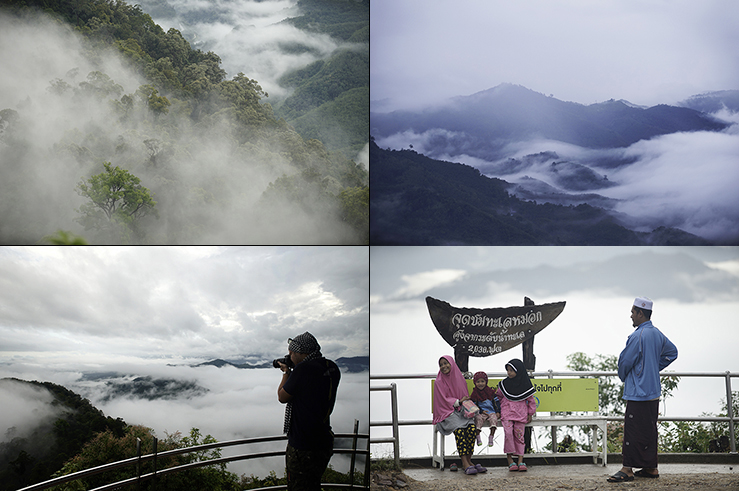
(33, 453)
(483, 123)
(415, 200)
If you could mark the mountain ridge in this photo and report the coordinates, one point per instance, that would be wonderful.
(352, 364)
(482, 124)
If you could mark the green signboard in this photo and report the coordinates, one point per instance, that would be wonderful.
(557, 394)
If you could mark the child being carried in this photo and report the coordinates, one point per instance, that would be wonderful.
(485, 398)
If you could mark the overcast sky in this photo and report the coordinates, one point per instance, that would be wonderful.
(103, 303)
(696, 304)
(647, 52)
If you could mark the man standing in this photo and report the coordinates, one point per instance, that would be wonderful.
(309, 390)
(647, 352)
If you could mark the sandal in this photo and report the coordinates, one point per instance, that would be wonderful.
(644, 473)
(470, 470)
(620, 477)
(480, 468)
(513, 467)
(453, 467)
(522, 467)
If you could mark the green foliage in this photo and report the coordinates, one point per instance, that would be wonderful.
(331, 97)
(108, 447)
(116, 198)
(64, 237)
(698, 437)
(355, 206)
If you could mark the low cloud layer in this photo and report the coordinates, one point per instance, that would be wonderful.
(249, 36)
(682, 180)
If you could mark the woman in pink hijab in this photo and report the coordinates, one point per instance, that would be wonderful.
(450, 391)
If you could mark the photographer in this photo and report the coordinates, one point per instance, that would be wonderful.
(308, 387)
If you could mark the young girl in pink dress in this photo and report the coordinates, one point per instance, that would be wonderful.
(517, 406)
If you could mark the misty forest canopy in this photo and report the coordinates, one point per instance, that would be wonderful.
(122, 132)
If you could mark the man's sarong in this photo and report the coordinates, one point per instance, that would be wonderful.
(640, 434)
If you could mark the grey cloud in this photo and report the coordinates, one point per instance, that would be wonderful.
(161, 300)
(676, 275)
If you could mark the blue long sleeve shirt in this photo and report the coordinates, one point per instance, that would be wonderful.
(647, 352)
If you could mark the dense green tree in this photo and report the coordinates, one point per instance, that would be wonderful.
(117, 198)
(355, 206)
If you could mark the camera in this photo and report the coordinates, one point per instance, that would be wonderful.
(286, 360)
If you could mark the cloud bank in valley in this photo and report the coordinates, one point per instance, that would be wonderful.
(249, 36)
(684, 180)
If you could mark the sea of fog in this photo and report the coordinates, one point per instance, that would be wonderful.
(240, 403)
(685, 180)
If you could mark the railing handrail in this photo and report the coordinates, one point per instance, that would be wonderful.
(556, 374)
(203, 463)
(731, 418)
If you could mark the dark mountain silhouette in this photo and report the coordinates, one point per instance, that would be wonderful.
(481, 124)
(416, 200)
(348, 364)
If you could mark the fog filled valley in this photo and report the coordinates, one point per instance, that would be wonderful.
(534, 170)
(115, 131)
(46, 425)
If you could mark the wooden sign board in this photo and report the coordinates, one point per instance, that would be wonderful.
(486, 332)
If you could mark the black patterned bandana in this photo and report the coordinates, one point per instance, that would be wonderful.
(303, 343)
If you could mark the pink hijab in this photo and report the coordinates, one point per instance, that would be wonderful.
(447, 389)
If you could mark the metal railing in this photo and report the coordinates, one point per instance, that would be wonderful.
(395, 423)
(139, 459)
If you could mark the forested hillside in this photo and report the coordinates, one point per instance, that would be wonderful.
(34, 456)
(416, 200)
(331, 98)
(123, 133)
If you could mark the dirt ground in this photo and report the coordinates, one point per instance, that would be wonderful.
(498, 479)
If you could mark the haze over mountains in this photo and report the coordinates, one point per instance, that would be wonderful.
(482, 125)
(662, 167)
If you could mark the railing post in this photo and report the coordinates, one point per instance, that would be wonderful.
(154, 451)
(554, 428)
(730, 412)
(354, 452)
(396, 436)
(138, 463)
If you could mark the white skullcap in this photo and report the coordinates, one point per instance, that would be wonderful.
(643, 303)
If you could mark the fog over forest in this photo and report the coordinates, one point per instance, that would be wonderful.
(66, 108)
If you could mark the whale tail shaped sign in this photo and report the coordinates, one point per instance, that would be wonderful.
(485, 332)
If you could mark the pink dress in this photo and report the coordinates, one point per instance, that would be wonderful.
(514, 415)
